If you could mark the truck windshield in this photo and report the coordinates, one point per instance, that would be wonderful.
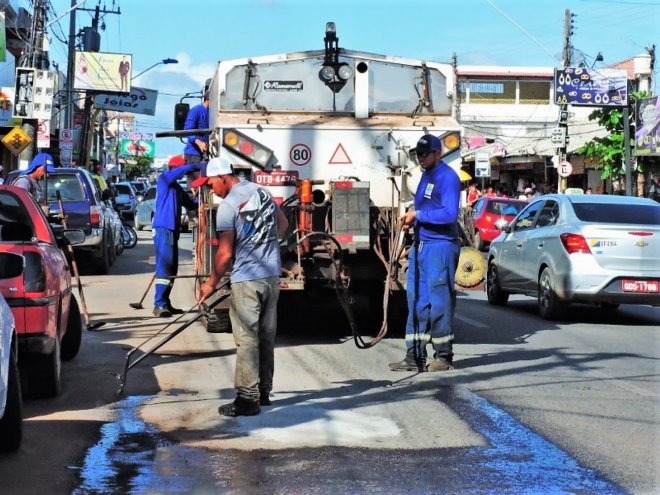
(294, 85)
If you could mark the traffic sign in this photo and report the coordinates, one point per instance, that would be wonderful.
(558, 136)
(16, 141)
(564, 169)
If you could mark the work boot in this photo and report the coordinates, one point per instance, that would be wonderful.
(175, 311)
(162, 312)
(408, 364)
(240, 407)
(440, 364)
(264, 399)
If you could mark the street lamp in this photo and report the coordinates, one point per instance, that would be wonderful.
(164, 61)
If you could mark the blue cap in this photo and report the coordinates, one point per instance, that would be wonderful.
(427, 144)
(37, 162)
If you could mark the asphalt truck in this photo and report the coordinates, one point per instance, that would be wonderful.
(331, 133)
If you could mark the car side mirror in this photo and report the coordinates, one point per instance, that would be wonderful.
(506, 228)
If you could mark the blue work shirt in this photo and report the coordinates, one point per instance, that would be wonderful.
(198, 118)
(170, 197)
(436, 204)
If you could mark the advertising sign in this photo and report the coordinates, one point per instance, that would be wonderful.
(647, 134)
(137, 144)
(593, 87)
(7, 96)
(103, 72)
(482, 164)
(3, 39)
(139, 100)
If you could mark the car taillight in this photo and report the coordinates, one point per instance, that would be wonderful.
(488, 219)
(35, 273)
(95, 215)
(574, 243)
(246, 147)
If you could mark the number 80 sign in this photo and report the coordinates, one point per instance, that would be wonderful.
(300, 154)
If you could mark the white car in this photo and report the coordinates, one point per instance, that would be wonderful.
(562, 249)
(11, 406)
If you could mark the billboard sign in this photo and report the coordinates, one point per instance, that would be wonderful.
(7, 96)
(103, 72)
(592, 87)
(647, 125)
(135, 144)
(139, 100)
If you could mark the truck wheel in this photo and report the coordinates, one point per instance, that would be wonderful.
(73, 336)
(43, 373)
(550, 306)
(496, 296)
(218, 321)
(11, 424)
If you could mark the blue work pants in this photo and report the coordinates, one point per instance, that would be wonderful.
(167, 264)
(431, 299)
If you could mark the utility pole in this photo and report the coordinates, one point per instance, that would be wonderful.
(563, 108)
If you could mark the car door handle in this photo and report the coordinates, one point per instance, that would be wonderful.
(540, 245)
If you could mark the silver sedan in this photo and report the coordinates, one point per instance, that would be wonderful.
(562, 249)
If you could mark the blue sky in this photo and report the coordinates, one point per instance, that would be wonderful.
(198, 33)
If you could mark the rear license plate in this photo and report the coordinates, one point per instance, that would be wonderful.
(644, 286)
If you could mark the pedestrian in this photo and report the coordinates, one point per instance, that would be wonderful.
(473, 195)
(197, 146)
(30, 179)
(589, 191)
(170, 197)
(248, 224)
(432, 262)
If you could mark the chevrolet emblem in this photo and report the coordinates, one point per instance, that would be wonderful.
(641, 244)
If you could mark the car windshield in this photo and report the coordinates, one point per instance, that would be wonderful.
(124, 189)
(618, 213)
(68, 185)
(504, 208)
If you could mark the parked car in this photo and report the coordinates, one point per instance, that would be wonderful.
(11, 402)
(46, 314)
(85, 209)
(126, 200)
(144, 213)
(563, 249)
(490, 214)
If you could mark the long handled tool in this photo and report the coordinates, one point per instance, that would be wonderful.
(74, 265)
(204, 310)
(138, 305)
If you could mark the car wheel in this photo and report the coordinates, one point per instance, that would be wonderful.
(479, 242)
(102, 263)
(73, 336)
(550, 306)
(43, 373)
(11, 423)
(496, 296)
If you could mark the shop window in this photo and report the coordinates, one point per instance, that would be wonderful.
(534, 93)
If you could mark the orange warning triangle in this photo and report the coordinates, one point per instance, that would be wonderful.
(340, 157)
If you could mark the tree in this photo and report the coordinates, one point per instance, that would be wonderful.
(139, 168)
(608, 151)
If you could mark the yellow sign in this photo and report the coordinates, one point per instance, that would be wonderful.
(16, 140)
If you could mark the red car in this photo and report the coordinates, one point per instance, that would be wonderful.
(46, 313)
(492, 212)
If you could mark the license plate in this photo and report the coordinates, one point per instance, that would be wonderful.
(644, 286)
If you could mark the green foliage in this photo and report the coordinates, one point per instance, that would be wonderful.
(140, 167)
(608, 151)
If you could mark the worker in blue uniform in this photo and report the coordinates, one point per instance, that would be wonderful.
(197, 145)
(170, 197)
(432, 262)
